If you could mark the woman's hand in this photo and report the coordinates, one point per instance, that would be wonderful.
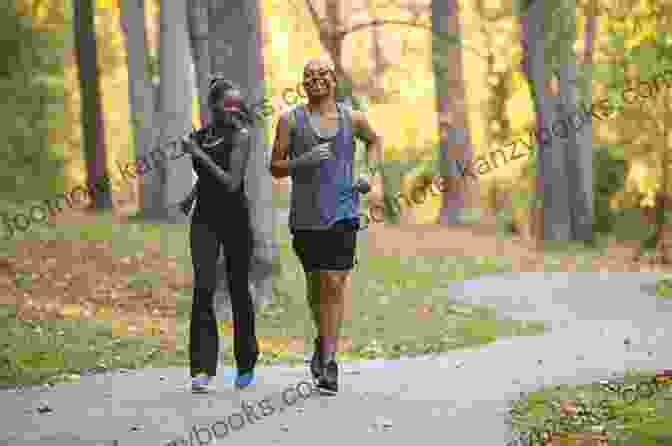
(189, 142)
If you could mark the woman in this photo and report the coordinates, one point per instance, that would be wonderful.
(220, 153)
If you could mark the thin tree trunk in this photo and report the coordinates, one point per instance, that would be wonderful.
(455, 148)
(551, 191)
(379, 61)
(141, 94)
(175, 117)
(236, 50)
(93, 127)
(584, 231)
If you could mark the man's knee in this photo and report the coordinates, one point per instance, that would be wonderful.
(334, 281)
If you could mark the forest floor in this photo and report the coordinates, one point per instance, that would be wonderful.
(91, 267)
(138, 277)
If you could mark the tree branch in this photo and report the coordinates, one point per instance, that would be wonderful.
(314, 15)
(382, 22)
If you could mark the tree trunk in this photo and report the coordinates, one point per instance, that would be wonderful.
(664, 201)
(584, 231)
(93, 127)
(454, 136)
(236, 50)
(175, 116)
(552, 192)
(198, 34)
(579, 144)
(379, 61)
(141, 95)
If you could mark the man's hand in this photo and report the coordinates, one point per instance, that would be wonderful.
(313, 158)
(374, 149)
(318, 153)
(362, 185)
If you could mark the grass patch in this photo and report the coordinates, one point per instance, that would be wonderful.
(664, 288)
(34, 352)
(400, 307)
(630, 417)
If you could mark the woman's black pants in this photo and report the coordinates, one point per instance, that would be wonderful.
(206, 238)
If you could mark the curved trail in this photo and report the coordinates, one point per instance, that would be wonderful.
(427, 400)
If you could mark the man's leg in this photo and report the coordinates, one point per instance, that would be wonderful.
(332, 298)
(340, 243)
(301, 242)
(313, 297)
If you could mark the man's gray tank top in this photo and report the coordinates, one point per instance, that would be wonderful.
(324, 195)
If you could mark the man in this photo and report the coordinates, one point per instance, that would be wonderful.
(315, 145)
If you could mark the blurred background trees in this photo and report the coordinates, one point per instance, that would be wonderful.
(502, 80)
(35, 127)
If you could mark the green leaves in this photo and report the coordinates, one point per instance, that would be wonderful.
(616, 41)
(629, 226)
(646, 58)
(664, 288)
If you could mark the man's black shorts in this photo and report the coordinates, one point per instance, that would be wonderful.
(330, 249)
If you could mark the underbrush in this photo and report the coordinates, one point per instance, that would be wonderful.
(399, 307)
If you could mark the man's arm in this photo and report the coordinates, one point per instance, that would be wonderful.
(281, 167)
(279, 164)
(374, 144)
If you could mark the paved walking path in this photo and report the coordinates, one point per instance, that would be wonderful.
(428, 400)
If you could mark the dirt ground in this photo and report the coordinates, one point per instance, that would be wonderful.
(483, 240)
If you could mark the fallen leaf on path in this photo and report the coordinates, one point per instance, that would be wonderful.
(424, 311)
(568, 407)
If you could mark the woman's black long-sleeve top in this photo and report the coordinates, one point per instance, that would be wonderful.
(214, 201)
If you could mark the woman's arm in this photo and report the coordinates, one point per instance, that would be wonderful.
(192, 147)
(240, 157)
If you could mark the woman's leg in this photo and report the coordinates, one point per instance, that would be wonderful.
(203, 337)
(238, 251)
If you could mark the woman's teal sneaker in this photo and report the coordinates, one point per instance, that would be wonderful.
(244, 379)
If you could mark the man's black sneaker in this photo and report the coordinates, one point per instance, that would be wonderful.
(316, 368)
(327, 383)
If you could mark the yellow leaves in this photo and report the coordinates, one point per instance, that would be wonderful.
(224, 328)
(644, 29)
(41, 12)
(518, 80)
(72, 311)
(119, 328)
(281, 344)
(108, 4)
(278, 344)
